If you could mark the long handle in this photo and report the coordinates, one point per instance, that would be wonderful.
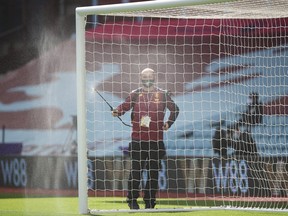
(111, 108)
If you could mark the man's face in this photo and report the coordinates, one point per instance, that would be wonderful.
(147, 78)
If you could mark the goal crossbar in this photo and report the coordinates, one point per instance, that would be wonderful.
(140, 6)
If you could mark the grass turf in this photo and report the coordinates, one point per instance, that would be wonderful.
(54, 206)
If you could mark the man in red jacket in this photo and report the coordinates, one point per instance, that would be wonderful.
(148, 104)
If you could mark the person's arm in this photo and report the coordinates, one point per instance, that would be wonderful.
(124, 107)
(216, 141)
(174, 112)
(260, 113)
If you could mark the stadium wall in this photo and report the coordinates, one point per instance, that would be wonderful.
(233, 176)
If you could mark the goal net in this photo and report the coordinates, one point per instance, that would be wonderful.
(226, 67)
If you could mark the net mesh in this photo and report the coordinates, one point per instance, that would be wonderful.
(225, 9)
(226, 67)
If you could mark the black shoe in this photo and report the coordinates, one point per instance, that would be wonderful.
(133, 204)
(150, 204)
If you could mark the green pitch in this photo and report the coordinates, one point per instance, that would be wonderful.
(54, 206)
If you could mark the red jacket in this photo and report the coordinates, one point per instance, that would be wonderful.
(152, 104)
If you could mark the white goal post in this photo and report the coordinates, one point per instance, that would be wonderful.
(212, 56)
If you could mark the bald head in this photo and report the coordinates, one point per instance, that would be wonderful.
(147, 77)
(148, 73)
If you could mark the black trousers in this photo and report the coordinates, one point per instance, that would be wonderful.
(144, 155)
